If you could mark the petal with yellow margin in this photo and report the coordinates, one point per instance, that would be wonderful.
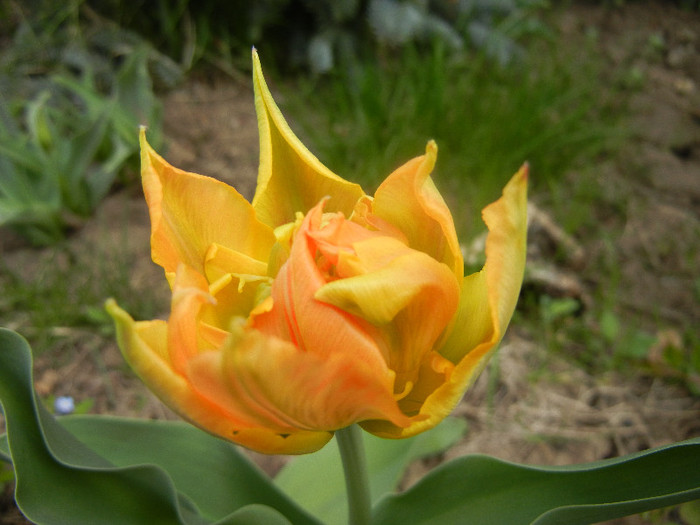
(144, 347)
(290, 178)
(409, 200)
(487, 302)
(190, 212)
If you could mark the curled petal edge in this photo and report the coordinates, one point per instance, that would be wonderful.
(143, 345)
(487, 302)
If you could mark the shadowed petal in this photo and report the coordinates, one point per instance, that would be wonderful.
(290, 178)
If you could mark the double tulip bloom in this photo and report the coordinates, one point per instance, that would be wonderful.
(317, 306)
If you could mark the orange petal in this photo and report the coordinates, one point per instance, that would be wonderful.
(190, 212)
(308, 323)
(487, 302)
(409, 200)
(144, 345)
(290, 178)
(384, 276)
(301, 390)
(190, 293)
(411, 298)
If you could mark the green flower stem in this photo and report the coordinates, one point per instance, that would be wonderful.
(352, 452)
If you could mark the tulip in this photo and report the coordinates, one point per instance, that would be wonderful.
(317, 306)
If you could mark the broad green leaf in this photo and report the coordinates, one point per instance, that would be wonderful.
(211, 472)
(316, 481)
(482, 490)
(255, 515)
(123, 471)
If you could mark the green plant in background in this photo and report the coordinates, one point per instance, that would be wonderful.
(68, 121)
(53, 173)
(60, 161)
(486, 119)
(319, 35)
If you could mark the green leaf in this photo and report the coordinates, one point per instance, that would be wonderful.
(209, 471)
(255, 515)
(484, 490)
(316, 481)
(91, 469)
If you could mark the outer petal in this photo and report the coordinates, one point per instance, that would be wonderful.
(144, 345)
(301, 391)
(190, 212)
(409, 200)
(290, 178)
(487, 302)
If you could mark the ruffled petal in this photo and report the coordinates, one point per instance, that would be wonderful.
(190, 212)
(144, 345)
(407, 294)
(409, 200)
(487, 302)
(314, 326)
(388, 276)
(302, 390)
(290, 178)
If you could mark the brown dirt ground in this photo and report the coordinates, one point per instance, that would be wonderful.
(537, 408)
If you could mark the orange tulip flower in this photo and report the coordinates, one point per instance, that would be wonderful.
(317, 306)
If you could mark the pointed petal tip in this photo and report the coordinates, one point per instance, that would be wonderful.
(523, 174)
(257, 66)
(120, 316)
(112, 308)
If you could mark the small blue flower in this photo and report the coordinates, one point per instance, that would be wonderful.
(63, 405)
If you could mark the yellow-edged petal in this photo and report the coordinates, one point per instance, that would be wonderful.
(411, 298)
(290, 178)
(409, 200)
(487, 302)
(144, 345)
(388, 286)
(190, 212)
(304, 390)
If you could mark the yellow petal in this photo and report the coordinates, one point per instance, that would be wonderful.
(220, 260)
(506, 248)
(384, 289)
(290, 178)
(144, 345)
(487, 302)
(409, 200)
(190, 212)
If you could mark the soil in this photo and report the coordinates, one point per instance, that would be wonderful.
(534, 407)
